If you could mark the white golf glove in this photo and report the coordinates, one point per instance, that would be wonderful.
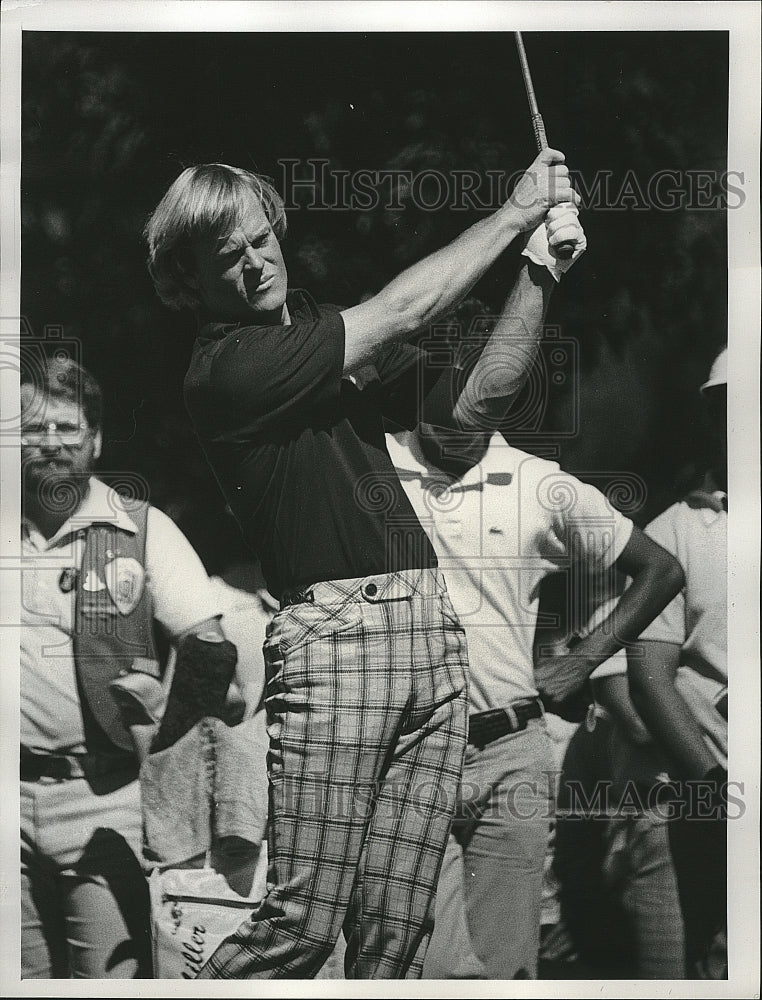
(561, 224)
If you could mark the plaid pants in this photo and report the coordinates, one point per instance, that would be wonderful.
(367, 714)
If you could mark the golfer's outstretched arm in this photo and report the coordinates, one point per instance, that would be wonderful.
(502, 368)
(431, 288)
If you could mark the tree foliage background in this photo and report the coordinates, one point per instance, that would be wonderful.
(109, 119)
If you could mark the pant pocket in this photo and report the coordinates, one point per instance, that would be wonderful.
(307, 623)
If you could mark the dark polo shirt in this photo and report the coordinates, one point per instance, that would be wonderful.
(299, 450)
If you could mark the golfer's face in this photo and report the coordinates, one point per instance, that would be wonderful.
(241, 275)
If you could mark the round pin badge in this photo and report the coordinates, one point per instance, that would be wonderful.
(68, 579)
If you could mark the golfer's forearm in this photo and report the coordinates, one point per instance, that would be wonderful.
(430, 288)
(427, 290)
(503, 366)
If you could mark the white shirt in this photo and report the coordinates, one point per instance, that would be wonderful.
(498, 531)
(51, 718)
(697, 619)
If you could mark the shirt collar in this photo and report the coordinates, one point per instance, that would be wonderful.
(301, 306)
(102, 505)
(407, 457)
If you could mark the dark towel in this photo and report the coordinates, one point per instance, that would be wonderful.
(203, 673)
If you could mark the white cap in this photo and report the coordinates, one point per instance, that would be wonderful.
(718, 374)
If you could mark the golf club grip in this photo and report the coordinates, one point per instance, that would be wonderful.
(565, 250)
(539, 132)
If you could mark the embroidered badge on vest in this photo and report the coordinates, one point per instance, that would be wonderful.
(125, 579)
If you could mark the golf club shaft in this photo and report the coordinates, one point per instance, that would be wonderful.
(566, 249)
(537, 123)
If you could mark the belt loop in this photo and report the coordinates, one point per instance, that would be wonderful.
(513, 718)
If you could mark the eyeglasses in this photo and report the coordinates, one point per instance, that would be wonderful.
(69, 434)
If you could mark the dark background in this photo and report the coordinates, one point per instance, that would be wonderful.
(109, 119)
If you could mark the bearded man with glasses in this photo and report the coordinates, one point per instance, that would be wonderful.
(99, 575)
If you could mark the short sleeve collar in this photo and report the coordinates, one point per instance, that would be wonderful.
(301, 307)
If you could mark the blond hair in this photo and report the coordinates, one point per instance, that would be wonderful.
(208, 200)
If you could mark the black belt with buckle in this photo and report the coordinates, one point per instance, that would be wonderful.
(65, 766)
(484, 727)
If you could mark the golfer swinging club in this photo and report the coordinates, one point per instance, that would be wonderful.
(366, 661)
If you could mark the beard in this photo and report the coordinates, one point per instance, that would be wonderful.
(53, 487)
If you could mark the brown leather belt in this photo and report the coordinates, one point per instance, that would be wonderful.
(485, 727)
(66, 766)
